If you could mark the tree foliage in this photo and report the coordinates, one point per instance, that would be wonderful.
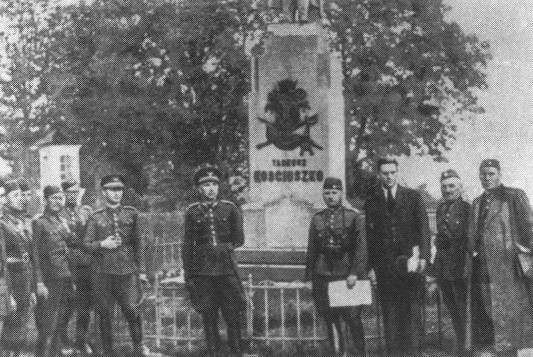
(158, 86)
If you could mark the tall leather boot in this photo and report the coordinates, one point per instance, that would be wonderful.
(106, 334)
(212, 336)
(234, 333)
(358, 336)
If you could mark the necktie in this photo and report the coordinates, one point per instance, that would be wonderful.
(390, 200)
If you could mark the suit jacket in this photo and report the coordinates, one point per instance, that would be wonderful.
(394, 234)
(128, 258)
(337, 244)
(452, 239)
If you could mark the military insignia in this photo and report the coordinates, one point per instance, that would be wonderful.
(290, 126)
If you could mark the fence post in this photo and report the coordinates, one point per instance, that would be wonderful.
(267, 332)
(298, 322)
(158, 328)
(282, 307)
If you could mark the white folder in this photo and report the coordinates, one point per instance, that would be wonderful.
(340, 295)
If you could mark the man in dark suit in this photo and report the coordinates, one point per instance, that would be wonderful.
(398, 248)
(451, 244)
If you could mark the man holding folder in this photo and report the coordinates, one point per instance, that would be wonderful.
(337, 251)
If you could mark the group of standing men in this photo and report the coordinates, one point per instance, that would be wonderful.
(483, 281)
(68, 259)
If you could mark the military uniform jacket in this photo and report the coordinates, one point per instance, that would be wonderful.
(212, 232)
(77, 253)
(51, 234)
(393, 234)
(126, 259)
(337, 244)
(20, 253)
(451, 240)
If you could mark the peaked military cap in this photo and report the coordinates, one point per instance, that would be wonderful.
(51, 190)
(112, 181)
(207, 173)
(449, 174)
(490, 163)
(332, 183)
(23, 184)
(11, 185)
(69, 185)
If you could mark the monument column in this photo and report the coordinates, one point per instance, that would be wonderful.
(296, 129)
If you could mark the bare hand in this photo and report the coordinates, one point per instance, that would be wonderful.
(42, 290)
(12, 303)
(110, 243)
(144, 279)
(421, 265)
(351, 280)
(33, 299)
(372, 277)
(413, 264)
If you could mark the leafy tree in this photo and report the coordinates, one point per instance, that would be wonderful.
(27, 98)
(158, 87)
(409, 77)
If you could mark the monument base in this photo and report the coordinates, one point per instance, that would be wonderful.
(283, 223)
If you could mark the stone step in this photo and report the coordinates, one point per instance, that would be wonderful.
(271, 256)
(274, 272)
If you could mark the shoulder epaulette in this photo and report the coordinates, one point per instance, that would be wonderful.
(99, 210)
(192, 205)
(320, 212)
(130, 208)
(228, 202)
(352, 209)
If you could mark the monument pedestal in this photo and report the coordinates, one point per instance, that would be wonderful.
(296, 128)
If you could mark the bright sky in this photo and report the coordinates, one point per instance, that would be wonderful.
(504, 131)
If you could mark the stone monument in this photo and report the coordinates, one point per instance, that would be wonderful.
(296, 132)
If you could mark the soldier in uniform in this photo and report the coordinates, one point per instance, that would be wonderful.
(118, 264)
(80, 263)
(26, 193)
(213, 229)
(51, 235)
(337, 251)
(22, 279)
(451, 243)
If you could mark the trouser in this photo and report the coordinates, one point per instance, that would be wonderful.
(333, 316)
(82, 305)
(51, 312)
(401, 299)
(454, 297)
(15, 332)
(482, 325)
(209, 295)
(124, 290)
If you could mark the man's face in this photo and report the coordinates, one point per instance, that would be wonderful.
(450, 188)
(490, 177)
(209, 190)
(113, 195)
(71, 197)
(3, 197)
(55, 202)
(388, 174)
(26, 198)
(15, 200)
(332, 198)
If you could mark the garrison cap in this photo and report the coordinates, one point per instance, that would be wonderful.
(11, 185)
(490, 163)
(332, 183)
(23, 184)
(449, 174)
(207, 173)
(112, 181)
(51, 190)
(71, 185)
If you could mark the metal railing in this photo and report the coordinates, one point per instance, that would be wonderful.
(276, 312)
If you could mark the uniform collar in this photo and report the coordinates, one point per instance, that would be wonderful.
(210, 204)
(114, 209)
(13, 216)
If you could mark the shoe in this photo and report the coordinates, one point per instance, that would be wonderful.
(84, 349)
(67, 351)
